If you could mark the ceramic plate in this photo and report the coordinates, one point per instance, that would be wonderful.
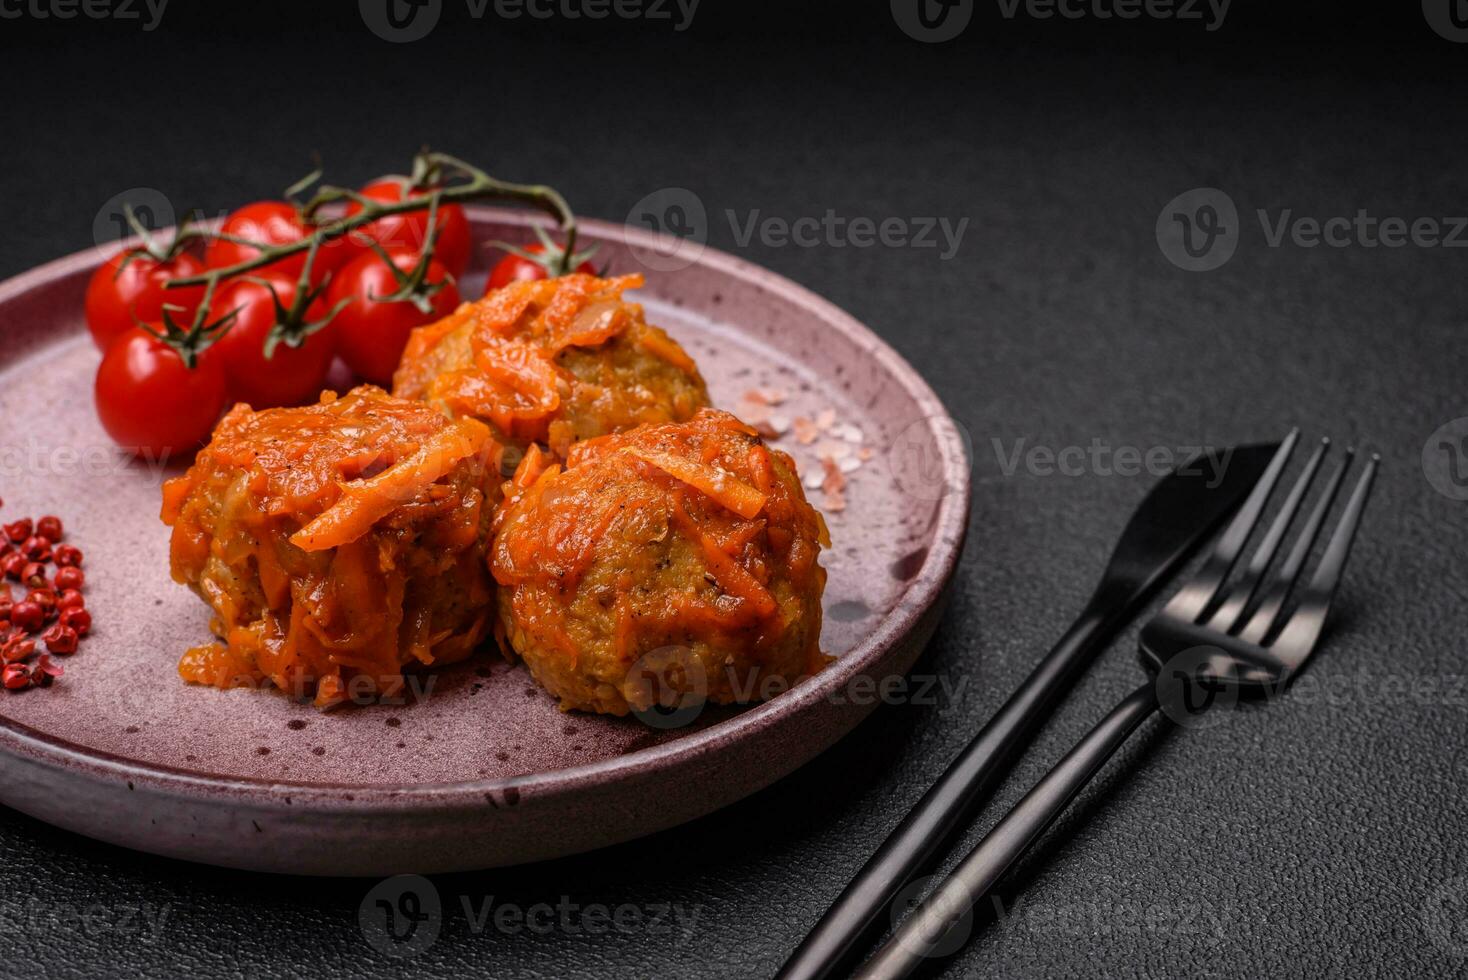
(477, 767)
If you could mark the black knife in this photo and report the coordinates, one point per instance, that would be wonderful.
(1180, 512)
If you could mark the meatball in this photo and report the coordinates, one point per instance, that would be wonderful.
(553, 361)
(666, 563)
(337, 544)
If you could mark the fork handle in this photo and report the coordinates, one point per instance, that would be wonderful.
(914, 941)
(911, 848)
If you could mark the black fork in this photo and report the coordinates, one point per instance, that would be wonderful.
(1222, 639)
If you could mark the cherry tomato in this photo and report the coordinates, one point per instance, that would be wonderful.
(408, 232)
(273, 223)
(130, 284)
(517, 268)
(291, 375)
(371, 334)
(151, 403)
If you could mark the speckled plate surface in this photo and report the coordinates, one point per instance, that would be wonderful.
(476, 767)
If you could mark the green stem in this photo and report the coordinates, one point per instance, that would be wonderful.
(476, 186)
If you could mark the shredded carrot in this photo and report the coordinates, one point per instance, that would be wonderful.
(660, 345)
(524, 371)
(426, 338)
(175, 492)
(470, 393)
(761, 468)
(499, 311)
(531, 466)
(587, 450)
(711, 479)
(823, 534)
(598, 323)
(743, 533)
(622, 632)
(734, 579)
(567, 301)
(364, 502)
(274, 581)
(330, 691)
(216, 665)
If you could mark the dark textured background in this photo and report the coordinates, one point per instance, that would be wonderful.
(1324, 835)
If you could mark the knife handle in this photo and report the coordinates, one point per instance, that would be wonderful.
(914, 942)
(835, 943)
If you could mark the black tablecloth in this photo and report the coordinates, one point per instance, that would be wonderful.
(1320, 835)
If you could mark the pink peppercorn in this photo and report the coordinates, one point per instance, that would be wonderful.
(27, 616)
(60, 639)
(49, 527)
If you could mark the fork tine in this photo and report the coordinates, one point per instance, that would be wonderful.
(1201, 591)
(1298, 637)
(1283, 580)
(1230, 613)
